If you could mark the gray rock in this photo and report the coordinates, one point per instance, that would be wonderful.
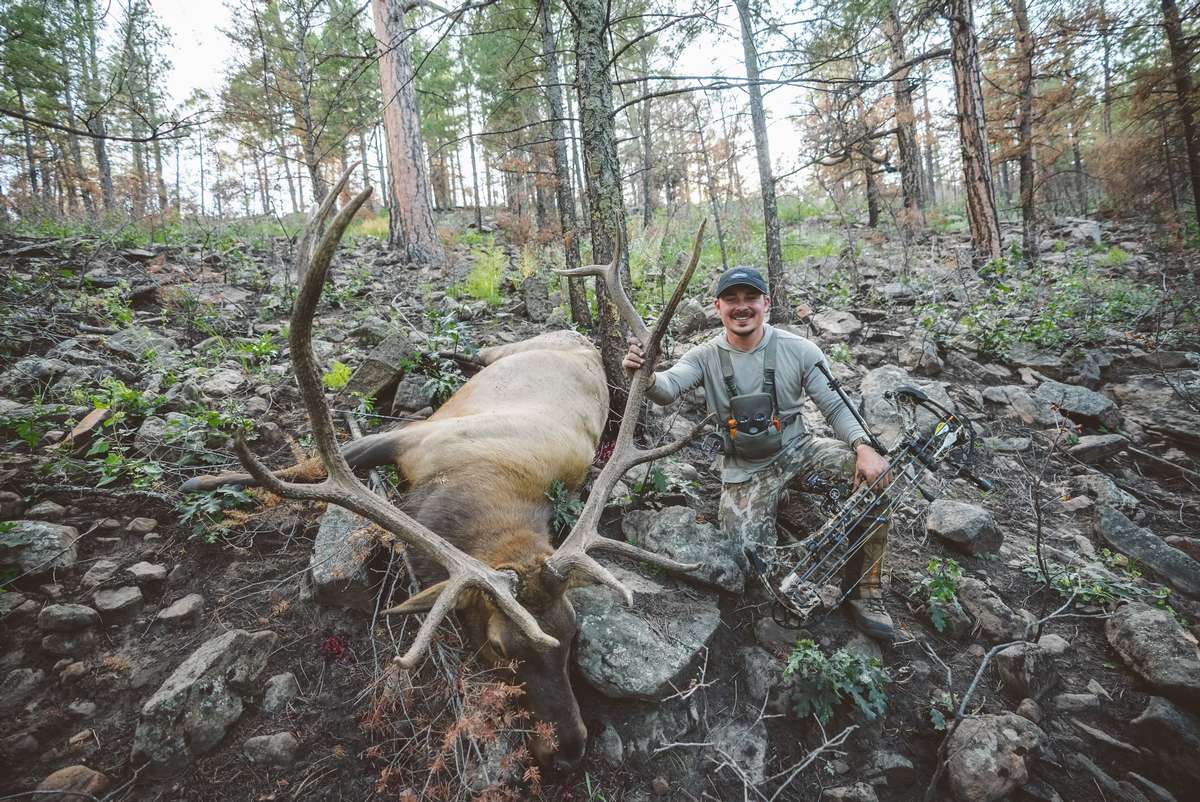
(744, 745)
(537, 298)
(920, 354)
(1154, 403)
(280, 691)
(643, 728)
(1153, 790)
(1173, 733)
(881, 413)
(38, 547)
(100, 572)
(637, 652)
(1110, 788)
(689, 317)
(184, 612)
(674, 532)
(1180, 570)
(761, 673)
(837, 324)
(383, 367)
(82, 709)
(1025, 355)
(277, 750)
(1031, 710)
(1021, 405)
(1081, 404)
(1093, 448)
(968, 527)
(190, 713)
(141, 526)
(1086, 232)
(607, 744)
(67, 618)
(19, 685)
(859, 792)
(119, 604)
(11, 505)
(889, 768)
(11, 602)
(1158, 649)
(74, 782)
(995, 619)
(70, 644)
(145, 573)
(137, 341)
(413, 393)
(343, 549)
(1104, 490)
(222, 384)
(157, 436)
(1027, 670)
(987, 756)
(46, 511)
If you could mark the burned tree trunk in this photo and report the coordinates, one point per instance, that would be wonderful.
(411, 230)
(972, 132)
(1182, 69)
(906, 127)
(1029, 233)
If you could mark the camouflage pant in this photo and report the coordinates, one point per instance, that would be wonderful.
(748, 508)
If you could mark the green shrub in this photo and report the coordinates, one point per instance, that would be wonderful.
(826, 681)
(940, 588)
(337, 377)
(483, 280)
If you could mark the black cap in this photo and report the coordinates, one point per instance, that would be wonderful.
(742, 275)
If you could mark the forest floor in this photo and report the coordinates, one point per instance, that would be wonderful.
(195, 333)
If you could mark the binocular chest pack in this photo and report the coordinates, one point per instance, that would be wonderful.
(752, 429)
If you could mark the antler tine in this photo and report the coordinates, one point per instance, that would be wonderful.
(572, 556)
(342, 487)
(611, 273)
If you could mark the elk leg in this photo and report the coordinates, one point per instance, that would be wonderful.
(371, 451)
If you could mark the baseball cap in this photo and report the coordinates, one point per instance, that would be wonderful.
(742, 275)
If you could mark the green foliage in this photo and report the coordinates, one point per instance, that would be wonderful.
(942, 705)
(1114, 257)
(110, 306)
(115, 465)
(258, 351)
(825, 681)
(564, 507)
(203, 512)
(654, 481)
(483, 280)
(337, 377)
(444, 378)
(940, 588)
(1092, 585)
(840, 352)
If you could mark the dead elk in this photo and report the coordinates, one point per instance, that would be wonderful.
(478, 470)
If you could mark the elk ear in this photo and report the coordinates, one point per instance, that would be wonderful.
(420, 602)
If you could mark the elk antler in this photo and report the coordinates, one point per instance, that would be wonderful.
(572, 555)
(342, 487)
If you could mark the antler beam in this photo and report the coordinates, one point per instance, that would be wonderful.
(572, 556)
(342, 487)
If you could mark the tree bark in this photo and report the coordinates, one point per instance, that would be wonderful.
(1024, 45)
(780, 308)
(474, 169)
(972, 132)
(710, 182)
(930, 173)
(906, 127)
(1182, 69)
(581, 315)
(605, 200)
(412, 233)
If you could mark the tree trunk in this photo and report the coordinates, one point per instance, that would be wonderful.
(710, 182)
(930, 174)
(605, 200)
(906, 127)
(1024, 45)
(576, 160)
(1106, 62)
(1077, 162)
(30, 159)
(872, 189)
(1182, 69)
(474, 169)
(780, 308)
(95, 120)
(581, 315)
(972, 132)
(412, 233)
(647, 157)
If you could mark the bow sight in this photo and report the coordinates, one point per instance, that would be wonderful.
(801, 577)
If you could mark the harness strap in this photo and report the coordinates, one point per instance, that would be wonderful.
(768, 372)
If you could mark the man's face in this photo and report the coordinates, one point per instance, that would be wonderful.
(742, 309)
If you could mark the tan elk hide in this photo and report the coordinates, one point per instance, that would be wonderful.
(477, 473)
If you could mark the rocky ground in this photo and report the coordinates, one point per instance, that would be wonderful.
(158, 646)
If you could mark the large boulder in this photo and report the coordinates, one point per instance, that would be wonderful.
(1173, 733)
(967, 527)
(74, 782)
(190, 713)
(881, 413)
(138, 341)
(1027, 670)
(996, 620)
(1019, 404)
(67, 618)
(1158, 404)
(537, 298)
(342, 552)
(744, 745)
(38, 547)
(674, 532)
(381, 370)
(1158, 649)
(837, 324)
(1081, 404)
(637, 652)
(988, 754)
(1180, 570)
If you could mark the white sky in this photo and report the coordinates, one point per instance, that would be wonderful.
(200, 52)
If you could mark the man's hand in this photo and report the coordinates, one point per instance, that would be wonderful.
(870, 466)
(634, 358)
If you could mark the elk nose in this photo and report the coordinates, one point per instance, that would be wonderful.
(570, 752)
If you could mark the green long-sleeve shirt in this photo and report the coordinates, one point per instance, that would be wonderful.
(795, 375)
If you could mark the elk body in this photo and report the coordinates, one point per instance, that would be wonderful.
(477, 472)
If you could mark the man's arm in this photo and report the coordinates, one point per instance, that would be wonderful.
(869, 464)
(667, 385)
